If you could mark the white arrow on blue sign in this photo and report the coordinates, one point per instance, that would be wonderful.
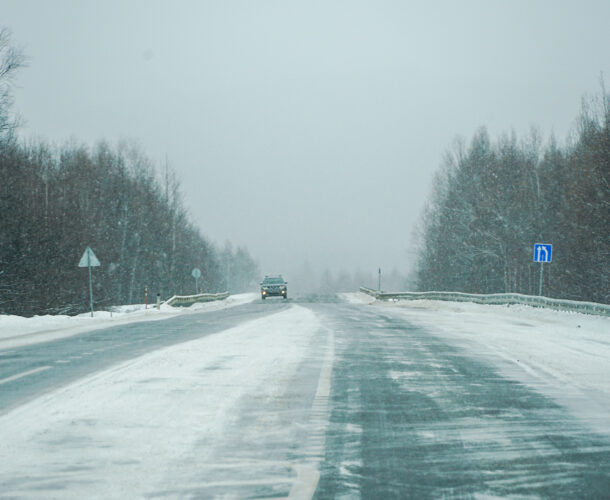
(543, 252)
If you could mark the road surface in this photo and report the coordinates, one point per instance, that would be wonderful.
(297, 399)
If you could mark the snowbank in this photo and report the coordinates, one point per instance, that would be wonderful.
(357, 298)
(17, 331)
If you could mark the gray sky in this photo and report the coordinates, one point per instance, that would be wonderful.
(305, 130)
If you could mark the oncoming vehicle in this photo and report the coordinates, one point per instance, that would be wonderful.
(274, 286)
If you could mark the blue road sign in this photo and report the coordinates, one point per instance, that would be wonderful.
(543, 252)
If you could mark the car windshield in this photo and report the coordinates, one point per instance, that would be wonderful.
(273, 281)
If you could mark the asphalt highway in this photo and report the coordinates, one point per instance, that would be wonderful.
(412, 417)
(26, 372)
(406, 416)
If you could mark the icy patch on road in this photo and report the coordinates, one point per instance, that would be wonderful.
(564, 355)
(192, 420)
(17, 331)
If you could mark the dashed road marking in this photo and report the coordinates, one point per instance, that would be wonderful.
(24, 374)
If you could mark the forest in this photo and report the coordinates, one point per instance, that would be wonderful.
(56, 201)
(493, 200)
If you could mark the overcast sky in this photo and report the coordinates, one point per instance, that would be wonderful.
(307, 131)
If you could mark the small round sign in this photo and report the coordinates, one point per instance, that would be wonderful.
(196, 273)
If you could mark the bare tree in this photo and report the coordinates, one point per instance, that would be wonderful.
(11, 59)
(492, 202)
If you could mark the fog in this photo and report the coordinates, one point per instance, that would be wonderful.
(307, 131)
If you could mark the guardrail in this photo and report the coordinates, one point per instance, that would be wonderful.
(188, 300)
(496, 299)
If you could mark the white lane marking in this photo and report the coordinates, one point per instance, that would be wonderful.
(308, 474)
(245, 482)
(24, 374)
(307, 482)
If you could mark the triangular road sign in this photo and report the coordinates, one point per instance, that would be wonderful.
(88, 259)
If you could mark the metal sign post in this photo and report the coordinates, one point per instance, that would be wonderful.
(89, 260)
(543, 252)
(196, 273)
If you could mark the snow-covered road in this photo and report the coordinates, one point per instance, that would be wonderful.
(563, 355)
(183, 421)
(305, 400)
(17, 331)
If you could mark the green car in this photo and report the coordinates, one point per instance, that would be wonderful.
(274, 286)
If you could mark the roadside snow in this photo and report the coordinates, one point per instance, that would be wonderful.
(16, 331)
(357, 298)
(563, 355)
(175, 423)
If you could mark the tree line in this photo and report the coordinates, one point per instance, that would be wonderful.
(493, 200)
(54, 202)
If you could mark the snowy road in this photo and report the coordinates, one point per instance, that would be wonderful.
(414, 417)
(298, 400)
